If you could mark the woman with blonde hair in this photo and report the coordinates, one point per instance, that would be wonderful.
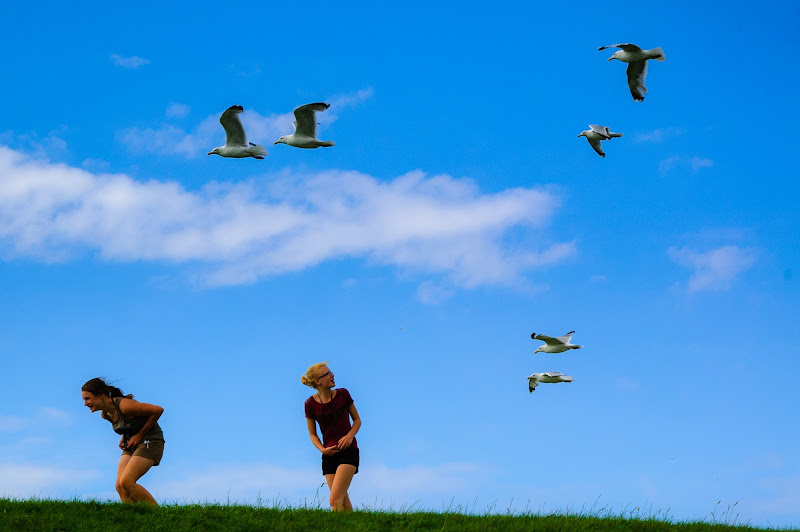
(331, 410)
(142, 441)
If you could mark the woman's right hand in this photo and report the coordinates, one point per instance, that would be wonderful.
(330, 451)
(122, 443)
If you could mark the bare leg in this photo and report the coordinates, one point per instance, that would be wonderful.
(131, 469)
(339, 483)
(123, 463)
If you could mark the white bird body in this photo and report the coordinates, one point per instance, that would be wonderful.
(557, 344)
(305, 128)
(547, 377)
(637, 65)
(236, 144)
(595, 134)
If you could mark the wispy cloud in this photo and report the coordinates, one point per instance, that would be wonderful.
(241, 484)
(430, 292)
(12, 423)
(677, 162)
(177, 110)
(44, 414)
(132, 62)
(239, 233)
(51, 147)
(784, 493)
(34, 480)
(658, 135)
(715, 269)
(168, 139)
(246, 483)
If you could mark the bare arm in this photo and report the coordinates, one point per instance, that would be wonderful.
(312, 433)
(132, 408)
(347, 440)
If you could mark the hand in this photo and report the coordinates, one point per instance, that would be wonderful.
(134, 441)
(122, 442)
(330, 451)
(345, 442)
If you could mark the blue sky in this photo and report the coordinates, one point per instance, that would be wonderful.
(457, 213)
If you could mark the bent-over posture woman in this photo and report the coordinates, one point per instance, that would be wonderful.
(142, 441)
(332, 410)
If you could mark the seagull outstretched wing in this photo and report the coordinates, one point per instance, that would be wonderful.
(549, 340)
(637, 72)
(567, 338)
(234, 132)
(601, 130)
(306, 123)
(628, 47)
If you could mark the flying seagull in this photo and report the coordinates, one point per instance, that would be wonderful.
(550, 376)
(305, 128)
(597, 133)
(236, 144)
(559, 344)
(637, 65)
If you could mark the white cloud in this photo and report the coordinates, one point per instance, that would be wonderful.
(168, 139)
(429, 292)
(245, 484)
(12, 423)
(677, 162)
(714, 269)
(240, 484)
(415, 480)
(658, 135)
(240, 232)
(30, 480)
(132, 62)
(43, 415)
(784, 496)
(50, 147)
(178, 110)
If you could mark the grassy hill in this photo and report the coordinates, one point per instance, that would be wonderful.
(46, 515)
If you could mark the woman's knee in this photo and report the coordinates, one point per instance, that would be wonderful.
(126, 484)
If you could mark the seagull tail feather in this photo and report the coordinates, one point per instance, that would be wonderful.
(614, 135)
(657, 54)
(258, 149)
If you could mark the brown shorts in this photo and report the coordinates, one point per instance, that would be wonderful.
(152, 449)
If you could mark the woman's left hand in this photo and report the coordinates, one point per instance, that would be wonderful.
(345, 442)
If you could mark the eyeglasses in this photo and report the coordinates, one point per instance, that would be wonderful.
(324, 375)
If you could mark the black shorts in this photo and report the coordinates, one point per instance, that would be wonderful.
(331, 463)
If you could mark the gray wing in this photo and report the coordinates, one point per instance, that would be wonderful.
(552, 374)
(549, 340)
(628, 47)
(532, 384)
(306, 123)
(567, 338)
(637, 71)
(234, 132)
(601, 130)
(595, 144)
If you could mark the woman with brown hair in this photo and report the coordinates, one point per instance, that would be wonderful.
(142, 440)
(332, 410)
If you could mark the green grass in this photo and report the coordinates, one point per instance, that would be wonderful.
(48, 515)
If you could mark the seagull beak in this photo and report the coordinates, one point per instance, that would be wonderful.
(610, 58)
(277, 142)
(209, 153)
